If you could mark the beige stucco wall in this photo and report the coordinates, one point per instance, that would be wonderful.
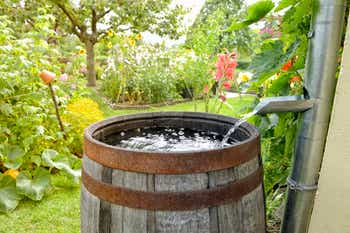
(331, 213)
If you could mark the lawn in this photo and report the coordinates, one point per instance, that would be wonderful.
(58, 212)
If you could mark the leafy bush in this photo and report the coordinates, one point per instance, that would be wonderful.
(192, 72)
(28, 125)
(139, 74)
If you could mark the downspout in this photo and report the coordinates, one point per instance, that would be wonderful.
(325, 37)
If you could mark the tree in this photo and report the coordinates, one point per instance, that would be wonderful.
(91, 20)
(208, 33)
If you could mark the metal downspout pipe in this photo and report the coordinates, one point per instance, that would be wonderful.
(320, 81)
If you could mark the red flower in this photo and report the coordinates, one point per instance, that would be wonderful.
(232, 63)
(287, 66)
(206, 89)
(295, 79)
(218, 75)
(227, 85)
(225, 66)
(229, 73)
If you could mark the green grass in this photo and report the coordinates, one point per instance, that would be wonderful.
(58, 212)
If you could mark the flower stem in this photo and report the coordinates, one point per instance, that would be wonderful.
(52, 92)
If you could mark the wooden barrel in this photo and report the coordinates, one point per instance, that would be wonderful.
(212, 191)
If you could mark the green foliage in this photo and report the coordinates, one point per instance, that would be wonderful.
(140, 74)
(255, 12)
(278, 67)
(209, 34)
(53, 159)
(33, 184)
(28, 124)
(9, 198)
(192, 73)
(271, 59)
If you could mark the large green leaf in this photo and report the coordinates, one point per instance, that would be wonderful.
(284, 4)
(14, 156)
(53, 159)
(280, 86)
(271, 59)
(9, 198)
(34, 186)
(255, 12)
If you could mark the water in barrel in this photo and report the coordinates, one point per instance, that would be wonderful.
(168, 139)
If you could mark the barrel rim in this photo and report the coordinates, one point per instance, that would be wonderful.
(166, 162)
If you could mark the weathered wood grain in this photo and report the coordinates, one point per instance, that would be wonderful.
(196, 221)
(124, 219)
(245, 215)
(89, 204)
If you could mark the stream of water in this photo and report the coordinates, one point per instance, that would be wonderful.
(236, 125)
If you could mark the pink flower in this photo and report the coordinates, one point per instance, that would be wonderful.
(218, 75)
(229, 73)
(227, 85)
(232, 63)
(64, 77)
(225, 66)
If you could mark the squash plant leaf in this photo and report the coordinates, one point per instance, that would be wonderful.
(53, 159)
(14, 155)
(9, 198)
(33, 186)
(255, 12)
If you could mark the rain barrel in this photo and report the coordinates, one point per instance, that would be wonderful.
(200, 191)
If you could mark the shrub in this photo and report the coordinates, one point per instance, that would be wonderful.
(80, 113)
(192, 72)
(140, 74)
(31, 143)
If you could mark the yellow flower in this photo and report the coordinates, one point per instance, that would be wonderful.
(82, 52)
(244, 77)
(138, 37)
(132, 42)
(12, 172)
(110, 33)
(109, 45)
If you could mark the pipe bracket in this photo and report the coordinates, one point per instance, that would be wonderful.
(293, 185)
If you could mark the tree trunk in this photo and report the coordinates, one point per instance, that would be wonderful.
(90, 61)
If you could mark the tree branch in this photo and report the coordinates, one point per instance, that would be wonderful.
(100, 16)
(72, 18)
(94, 25)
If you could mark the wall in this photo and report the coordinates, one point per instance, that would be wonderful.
(331, 212)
